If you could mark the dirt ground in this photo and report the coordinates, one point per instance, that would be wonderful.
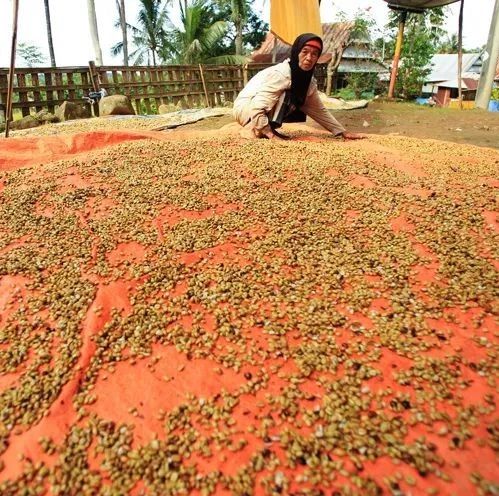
(472, 127)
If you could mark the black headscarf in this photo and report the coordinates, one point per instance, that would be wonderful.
(300, 79)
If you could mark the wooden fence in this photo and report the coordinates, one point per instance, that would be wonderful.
(147, 87)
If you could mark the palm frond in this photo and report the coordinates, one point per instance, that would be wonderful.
(192, 52)
(227, 60)
(117, 49)
(214, 33)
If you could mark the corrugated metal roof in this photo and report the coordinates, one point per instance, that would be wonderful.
(335, 37)
(357, 52)
(445, 65)
(467, 84)
(361, 66)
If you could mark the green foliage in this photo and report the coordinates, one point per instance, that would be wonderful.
(431, 21)
(449, 44)
(422, 38)
(239, 10)
(30, 54)
(361, 83)
(345, 93)
(364, 26)
(208, 32)
(193, 42)
(254, 32)
(149, 35)
(254, 28)
(415, 66)
(495, 94)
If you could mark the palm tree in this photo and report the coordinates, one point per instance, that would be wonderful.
(239, 12)
(94, 32)
(239, 16)
(149, 36)
(449, 45)
(120, 4)
(49, 33)
(195, 41)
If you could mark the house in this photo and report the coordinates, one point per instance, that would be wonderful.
(442, 82)
(343, 54)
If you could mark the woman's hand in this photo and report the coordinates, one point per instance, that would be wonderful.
(352, 136)
(269, 135)
(256, 134)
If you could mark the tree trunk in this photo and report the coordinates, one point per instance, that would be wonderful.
(94, 32)
(329, 79)
(331, 69)
(49, 33)
(121, 10)
(239, 37)
(333, 65)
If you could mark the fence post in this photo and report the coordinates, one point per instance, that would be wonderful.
(8, 110)
(94, 78)
(204, 86)
(245, 74)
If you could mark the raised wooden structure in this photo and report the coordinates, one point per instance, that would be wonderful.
(147, 87)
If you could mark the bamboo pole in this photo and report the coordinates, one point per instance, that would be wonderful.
(94, 79)
(8, 110)
(489, 65)
(204, 86)
(398, 50)
(460, 56)
(94, 76)
(274, 50)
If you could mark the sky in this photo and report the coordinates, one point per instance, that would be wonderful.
(73, 47)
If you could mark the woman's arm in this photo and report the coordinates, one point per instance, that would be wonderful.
(315, 109)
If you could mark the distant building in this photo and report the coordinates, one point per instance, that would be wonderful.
(342, 55)
(442, 83)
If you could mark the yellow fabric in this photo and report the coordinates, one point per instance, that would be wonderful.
(290, 18)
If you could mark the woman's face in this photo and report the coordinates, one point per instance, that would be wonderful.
(308, 57)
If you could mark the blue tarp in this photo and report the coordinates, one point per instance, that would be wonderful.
(494, 106)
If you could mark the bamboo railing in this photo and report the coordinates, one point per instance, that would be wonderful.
(147, 87)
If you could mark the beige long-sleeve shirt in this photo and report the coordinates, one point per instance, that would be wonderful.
(258, 98)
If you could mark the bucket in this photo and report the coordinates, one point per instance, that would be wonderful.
(494, 106)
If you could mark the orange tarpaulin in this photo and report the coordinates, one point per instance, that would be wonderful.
(290, 18)
(211, 316)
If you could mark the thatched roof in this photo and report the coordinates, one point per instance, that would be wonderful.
(335, 37)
